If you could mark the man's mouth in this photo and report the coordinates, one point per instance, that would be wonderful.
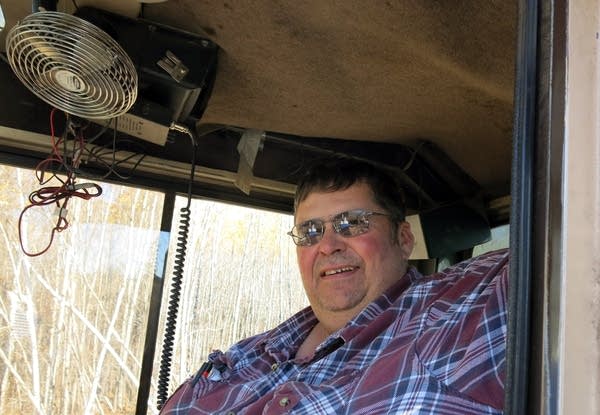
(337, 271)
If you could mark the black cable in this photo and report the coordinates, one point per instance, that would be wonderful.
(104, 128)
(171, 322)
(98, 153)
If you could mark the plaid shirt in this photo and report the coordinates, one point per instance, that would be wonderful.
(428, 345)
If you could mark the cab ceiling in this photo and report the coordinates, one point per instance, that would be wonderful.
(381, 71)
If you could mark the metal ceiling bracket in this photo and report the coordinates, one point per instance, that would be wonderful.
(173, 66)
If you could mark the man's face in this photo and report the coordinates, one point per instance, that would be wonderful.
(341, 275)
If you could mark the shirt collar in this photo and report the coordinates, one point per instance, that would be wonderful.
(376, 309)
(285, 339)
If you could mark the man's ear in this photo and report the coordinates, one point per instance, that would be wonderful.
(406, 239)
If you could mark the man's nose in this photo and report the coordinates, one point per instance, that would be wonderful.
(331, 241)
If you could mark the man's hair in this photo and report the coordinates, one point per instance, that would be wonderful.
(339, 173)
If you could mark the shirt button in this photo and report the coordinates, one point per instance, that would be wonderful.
(274, 367)
(284, 401)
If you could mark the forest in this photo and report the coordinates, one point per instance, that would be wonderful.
(73, 319)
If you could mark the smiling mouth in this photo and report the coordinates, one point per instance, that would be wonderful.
(337, 271)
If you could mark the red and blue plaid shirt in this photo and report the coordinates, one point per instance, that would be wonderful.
(428, 345)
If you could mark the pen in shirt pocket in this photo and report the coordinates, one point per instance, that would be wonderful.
(202, 372)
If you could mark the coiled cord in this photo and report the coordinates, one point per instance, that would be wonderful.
(171, 322)
(169, 336)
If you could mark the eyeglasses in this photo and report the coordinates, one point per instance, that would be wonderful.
(351, 223)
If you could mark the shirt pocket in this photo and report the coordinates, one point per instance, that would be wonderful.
(324, 396)
(444, 346)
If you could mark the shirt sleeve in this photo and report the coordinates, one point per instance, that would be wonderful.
(463, 339)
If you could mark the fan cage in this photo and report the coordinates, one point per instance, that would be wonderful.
(72, 65)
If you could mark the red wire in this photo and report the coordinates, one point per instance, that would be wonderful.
(49, 195)
(57, 194)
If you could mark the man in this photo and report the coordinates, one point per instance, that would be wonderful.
(378, 337)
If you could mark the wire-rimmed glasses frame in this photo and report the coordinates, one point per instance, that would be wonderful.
(347, 224)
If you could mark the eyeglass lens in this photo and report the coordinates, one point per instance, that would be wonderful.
(351, 223)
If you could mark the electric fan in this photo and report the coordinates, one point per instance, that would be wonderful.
(72, 65)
